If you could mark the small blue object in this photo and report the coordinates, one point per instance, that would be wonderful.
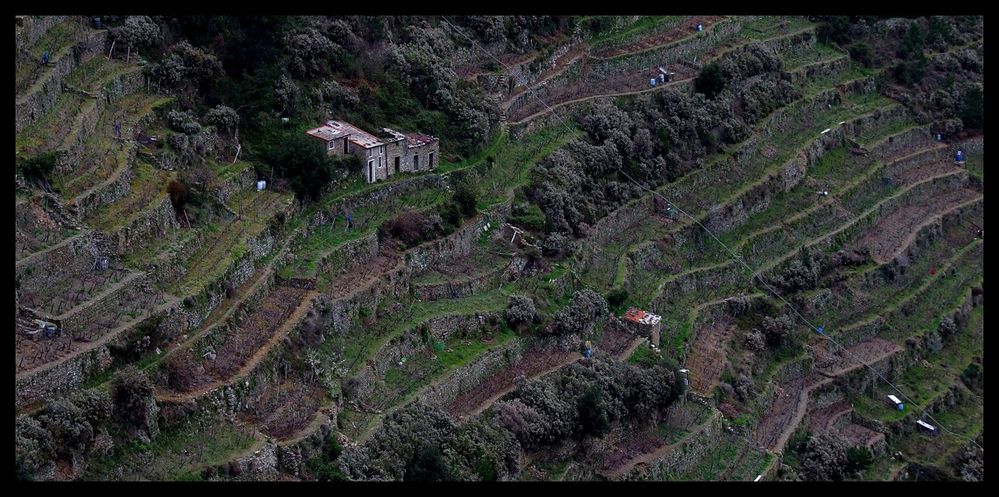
(45, 58)
(821, 330)
(587, 353)
(939, 136)
(652, 81)
(700, 27)
(901, 406)
(960, 156)
(97, 22)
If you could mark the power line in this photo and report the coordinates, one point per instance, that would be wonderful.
(735, 256)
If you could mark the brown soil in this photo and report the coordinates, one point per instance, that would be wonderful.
(708, 355)
(892, 233)
(533, 364)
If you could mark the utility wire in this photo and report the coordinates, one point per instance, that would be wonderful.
(735, 256)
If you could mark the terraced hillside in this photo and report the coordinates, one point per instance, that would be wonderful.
(468, 322)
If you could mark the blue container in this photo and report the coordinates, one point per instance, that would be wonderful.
(652, 81)
(700, 27)
(939, 137)
(901, 407)
(960, 156)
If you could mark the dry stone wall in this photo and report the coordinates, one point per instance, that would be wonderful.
(44, 94)
(685, 456)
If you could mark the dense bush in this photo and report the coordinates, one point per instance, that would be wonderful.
(188, 71)
(304, 163)
(223, 118)
(617, 297)
(34, 447)
(973, 108)
(38, 168)
(464, 197)
(427, 465)
(593, 419)
(411, 228)
(132, 393)
(586, 307)
(137, 32)
(520, 311)
(71, 432)
(824, 458)
(710, 81)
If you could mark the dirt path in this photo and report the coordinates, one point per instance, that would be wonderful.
(774, 263)
(657, 453)
(32, 257)
(708, 357)
(288, 324)
(774, 430)
(591, 97)
(899, 229)
(170, 301)
(462, 413)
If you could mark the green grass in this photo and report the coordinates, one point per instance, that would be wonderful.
(976, 165)
(221, 248)
(457, 353)
(175, 454)
(819, 52)
(644, 25)
(769, 27)
(58, 37)
(147, 190)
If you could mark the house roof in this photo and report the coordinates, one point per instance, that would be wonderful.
(641, 317)
(419, 139)
(338, 129)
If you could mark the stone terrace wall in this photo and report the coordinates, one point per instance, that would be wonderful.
(411, 343)
(154, 223)
(350, 255)
(241, 181)
(109, 192)
(456, 289)
(108, 305)
(36, 104)
(462, 380)
(819, 70)
(72, 373)
(33, 28)
(724, 218)
(684, 457)
(394, 190)
(85, 124)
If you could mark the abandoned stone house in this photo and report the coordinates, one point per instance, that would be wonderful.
(383, 155)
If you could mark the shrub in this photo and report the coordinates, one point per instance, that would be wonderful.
(861, 53)
(39, 167)
(464, 197)
(33, 447)
(68, 425)
(710, 82)
(132, 391)
(617, 297)
(410, 228)
(824, 458)
(520, 311)
(178, 195)
(593, 418)
(586, 307)
(428, 465)
(223, 118)
(972, 108)
(303, 163)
